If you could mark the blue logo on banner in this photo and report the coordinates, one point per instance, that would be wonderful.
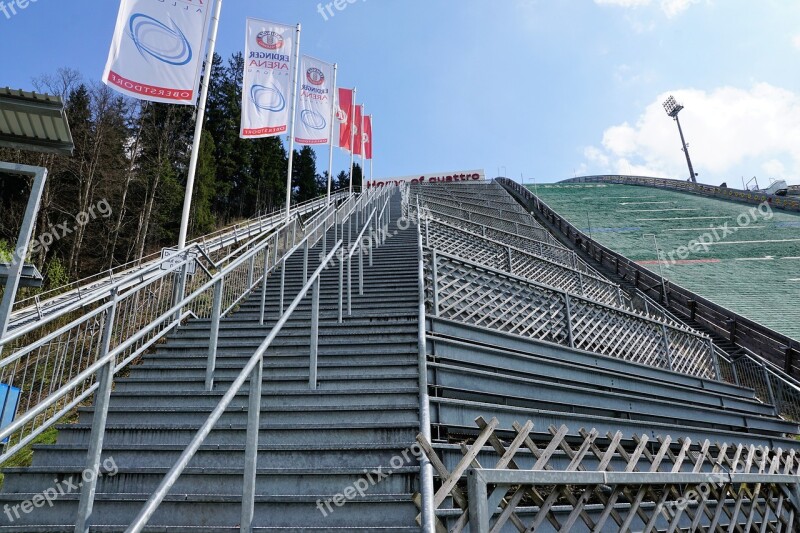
(147, 34)
(267, 98)
(313, 120)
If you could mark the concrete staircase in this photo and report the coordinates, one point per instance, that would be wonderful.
(313, 445)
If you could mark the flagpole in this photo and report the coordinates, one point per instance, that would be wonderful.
(198, 127)
(372, 149)
(334, 107)
(363, 153)
(292, 123)
(352, 137)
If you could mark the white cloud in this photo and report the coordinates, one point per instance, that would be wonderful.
(596, 157)
(730, 131)
(773, 168)
(796, 41)
(671, 8)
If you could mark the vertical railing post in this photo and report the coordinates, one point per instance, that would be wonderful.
(619, 296)
(361, 269)
(264, 287)
(386, 223)
(179, 289)
(510, 261)
(667, 350)
(568, 312)
(714, 359)
(341, 283)
(772, 397)
(428, 233)
(251, 271)
(735, 372)
(251, 447)
(213, 341)
(580, 281)
(283, 285)
(371, 242)
(325, 237)
(305, 262)
(102, 397)
(349, 285)
(312, 369)
(435, 283)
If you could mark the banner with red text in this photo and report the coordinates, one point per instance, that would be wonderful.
(469, 176)
(158, 50)
(315, 102)
(267, 87)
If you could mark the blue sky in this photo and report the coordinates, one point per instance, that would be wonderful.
(547, 88)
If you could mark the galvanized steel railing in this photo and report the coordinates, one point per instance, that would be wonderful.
(215, 245)
(552, 252)
(452, 208)
(486, 251)
(252, 372)
(610, 483)
(474, 294)
(58, 362)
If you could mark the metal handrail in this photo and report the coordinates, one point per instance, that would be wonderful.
(65, 359)
(426, 469)
(210, 243)
(252, 370)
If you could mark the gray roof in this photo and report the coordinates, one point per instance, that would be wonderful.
(32, 121)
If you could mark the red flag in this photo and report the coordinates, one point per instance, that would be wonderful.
(359, 122)
(344, 115)
(368, 137)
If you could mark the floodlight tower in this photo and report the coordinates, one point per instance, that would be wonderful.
(673, 108)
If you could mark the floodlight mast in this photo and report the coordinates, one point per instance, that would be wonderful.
(672, 107)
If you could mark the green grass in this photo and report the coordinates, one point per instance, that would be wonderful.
(24, 457)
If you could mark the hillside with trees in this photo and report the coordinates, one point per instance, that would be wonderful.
(134, 155)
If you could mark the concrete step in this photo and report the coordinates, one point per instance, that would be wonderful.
(225, 511)
(351, 382)
(228, 371)
(299, 327)
(321, 414)
(286, 434)
(273, 480)
(283, 358)
(300, 456)
(274, 398)
(296, 356)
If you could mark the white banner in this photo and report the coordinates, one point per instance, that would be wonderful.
(267, 90)
(315, 103)
(469, 176)
(158, 50)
